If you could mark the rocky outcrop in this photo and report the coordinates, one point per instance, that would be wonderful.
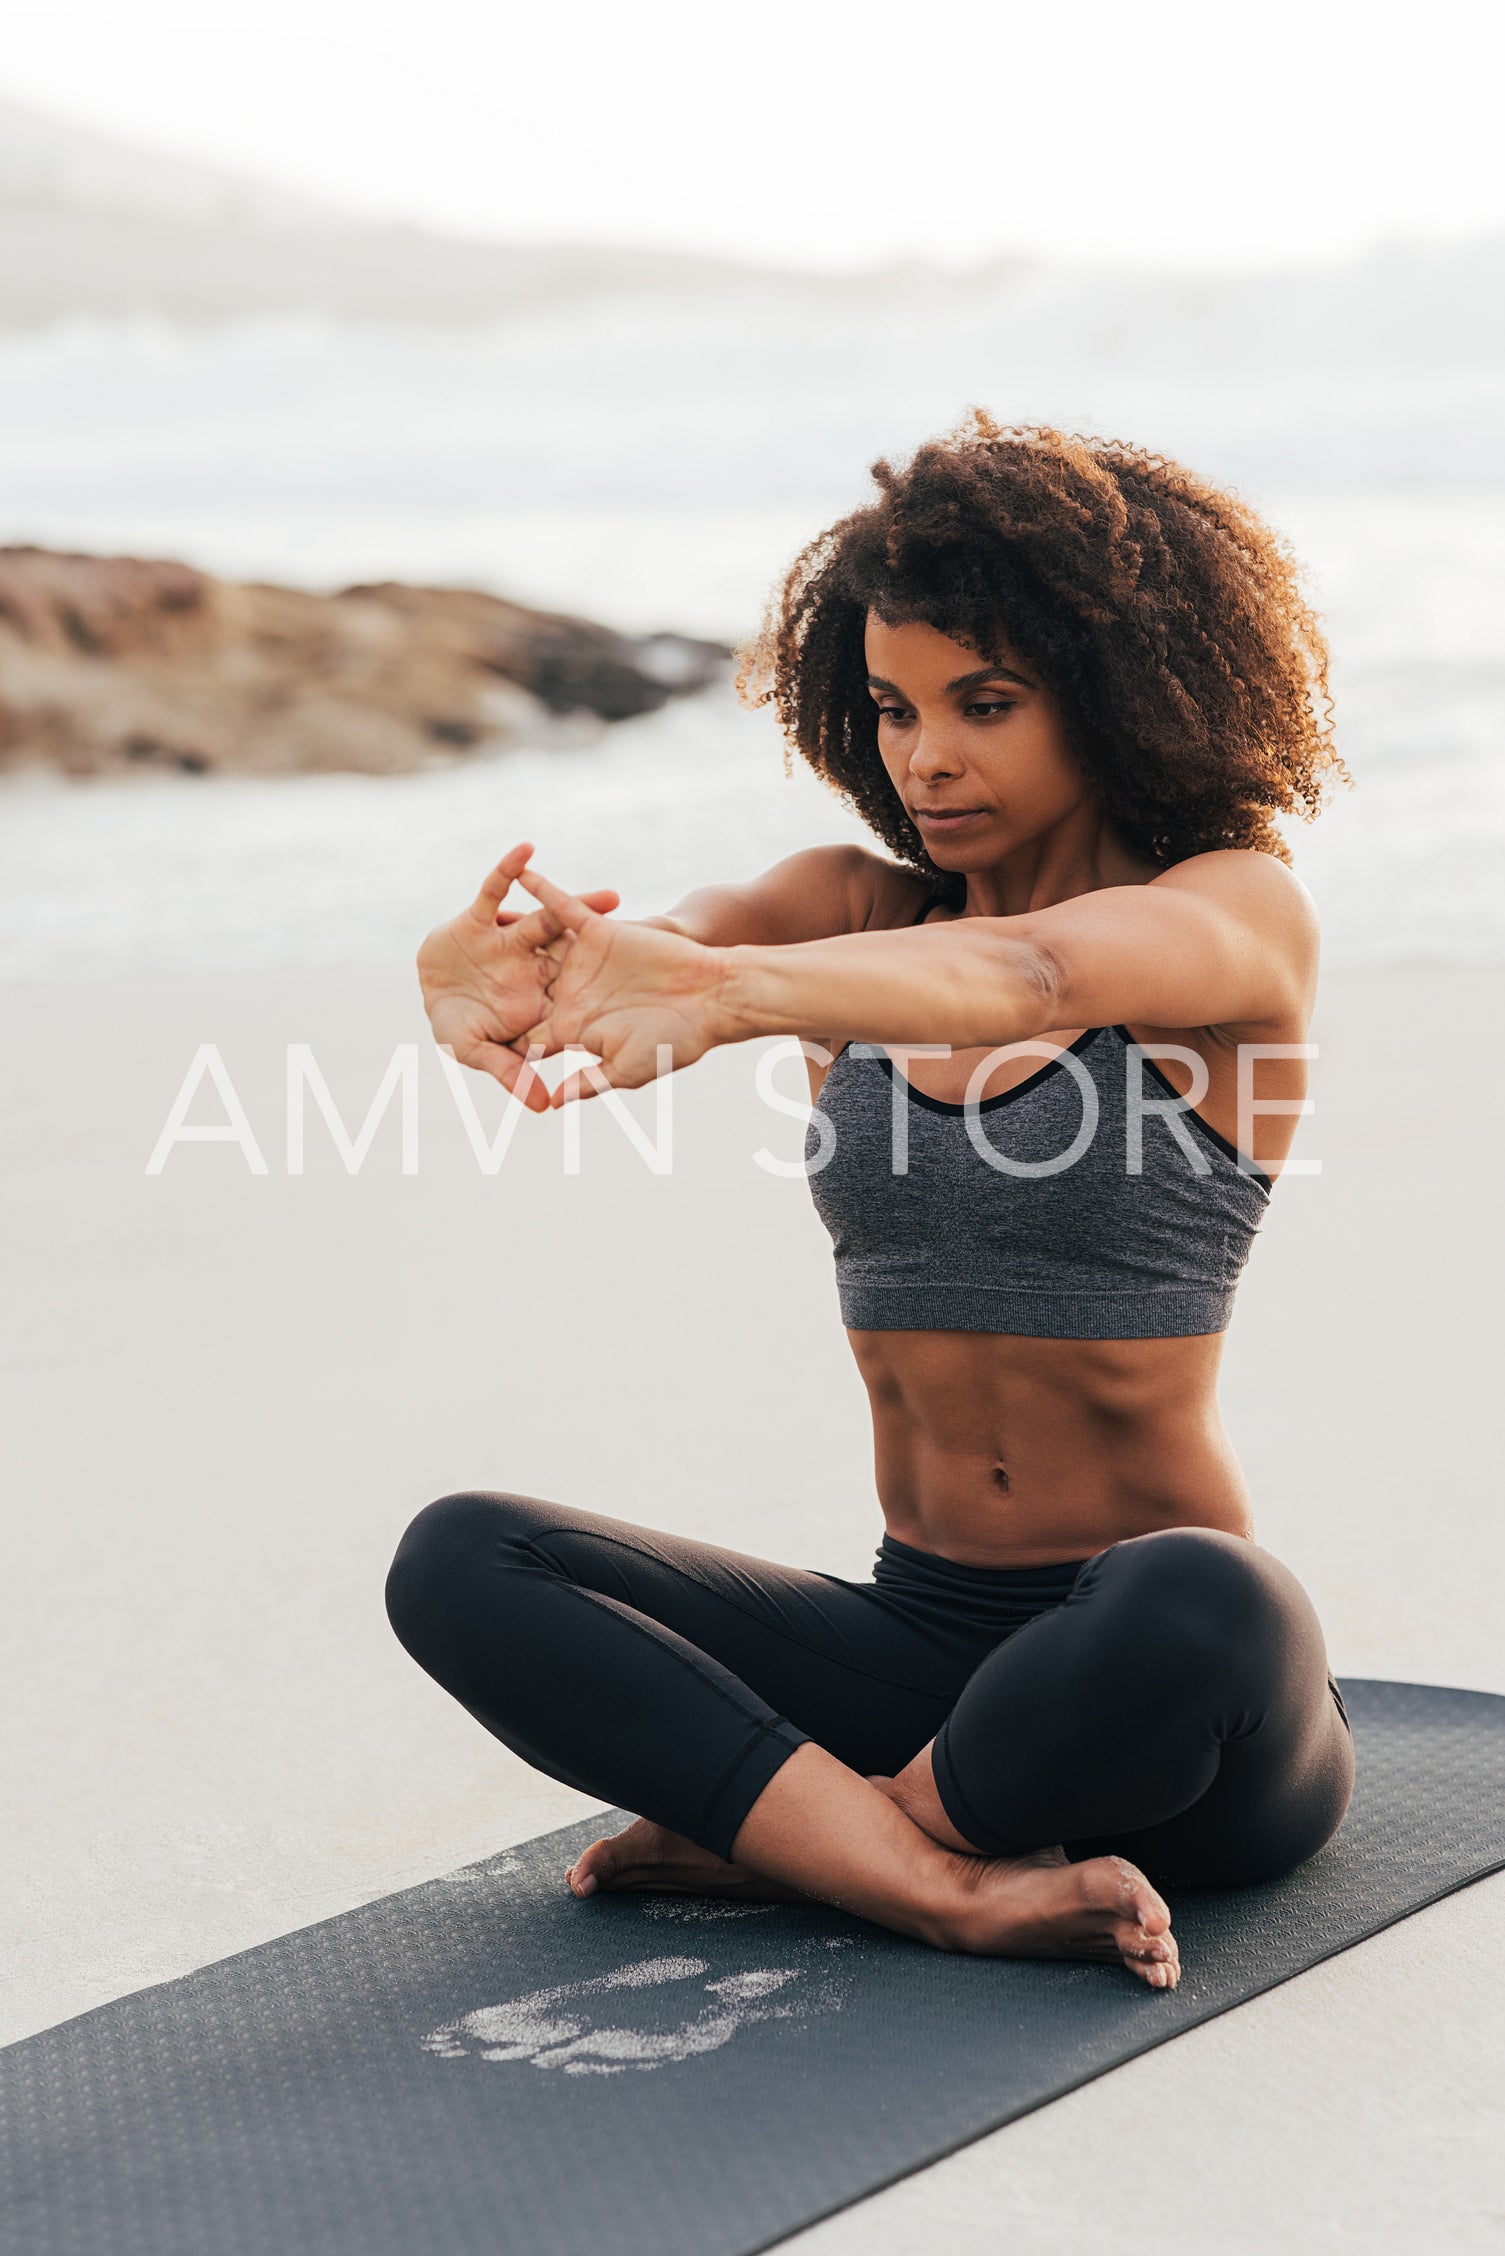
(112, 663)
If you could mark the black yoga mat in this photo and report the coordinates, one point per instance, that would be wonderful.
(484, 2067)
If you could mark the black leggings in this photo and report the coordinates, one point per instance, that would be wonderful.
(1168, 1699)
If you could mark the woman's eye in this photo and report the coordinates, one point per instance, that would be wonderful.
(893, 712)
(988, 705)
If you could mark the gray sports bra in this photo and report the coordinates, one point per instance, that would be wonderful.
(1087, 1202)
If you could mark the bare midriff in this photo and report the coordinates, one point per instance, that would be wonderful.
(996, 1451)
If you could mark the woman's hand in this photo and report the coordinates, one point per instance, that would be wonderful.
(485, 979)
(625, 991)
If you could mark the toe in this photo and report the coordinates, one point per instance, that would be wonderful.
(1154, 1958)
(592, 1868)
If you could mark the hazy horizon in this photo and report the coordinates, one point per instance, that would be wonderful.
(49, 159)
(799, 140)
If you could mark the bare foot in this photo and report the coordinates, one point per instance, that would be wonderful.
(1039, 1906)
(1036, 1905)
(648, 1859)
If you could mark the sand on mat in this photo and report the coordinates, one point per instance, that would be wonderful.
(227, 1392)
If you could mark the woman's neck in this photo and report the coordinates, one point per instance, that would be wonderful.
(1081, 854)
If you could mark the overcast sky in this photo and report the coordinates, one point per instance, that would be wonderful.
(823, 131)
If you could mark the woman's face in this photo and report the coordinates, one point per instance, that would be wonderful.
(975, 749)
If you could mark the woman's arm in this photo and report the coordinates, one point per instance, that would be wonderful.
(1228, 939)
(1225, 940)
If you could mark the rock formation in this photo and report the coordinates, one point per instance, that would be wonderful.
(111, 663)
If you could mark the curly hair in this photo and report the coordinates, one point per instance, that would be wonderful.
(1166, 619)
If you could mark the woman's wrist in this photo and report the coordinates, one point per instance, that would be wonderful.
(756, 992)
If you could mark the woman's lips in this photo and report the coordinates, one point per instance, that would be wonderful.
(947, 818)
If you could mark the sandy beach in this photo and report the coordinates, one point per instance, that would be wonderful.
(230, 1391)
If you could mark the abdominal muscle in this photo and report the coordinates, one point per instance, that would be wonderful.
(996, 1451)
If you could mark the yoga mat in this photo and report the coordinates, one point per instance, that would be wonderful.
(483, 2066)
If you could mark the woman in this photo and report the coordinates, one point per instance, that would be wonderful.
(1069, 687)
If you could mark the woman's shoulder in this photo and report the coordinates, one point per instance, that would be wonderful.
(888, 896)
(868, 891)
(825, 891)
(819, 893)
(1258, 886)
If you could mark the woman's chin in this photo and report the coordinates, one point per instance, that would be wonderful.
(974, 848)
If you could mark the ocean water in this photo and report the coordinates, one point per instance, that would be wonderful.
(657, 466)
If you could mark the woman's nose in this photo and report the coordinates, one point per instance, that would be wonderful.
(933, 756)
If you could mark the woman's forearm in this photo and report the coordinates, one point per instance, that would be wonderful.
(971, 983)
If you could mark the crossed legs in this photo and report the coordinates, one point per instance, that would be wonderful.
(1175, 1713)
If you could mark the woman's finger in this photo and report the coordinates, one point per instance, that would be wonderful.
(542, 931)
(515, 1073)
(576, 1087)
(572, 912)
(542, 1041)
(603, 901)
(535, 928)
(496, 887)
